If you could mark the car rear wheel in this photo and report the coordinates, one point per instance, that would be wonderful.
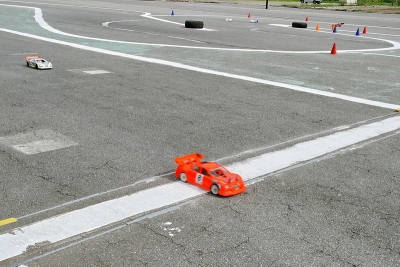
(215, 189)
(183, 177)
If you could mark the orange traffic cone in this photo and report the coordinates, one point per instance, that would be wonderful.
(249, 16)
(365, 30)
(333, 51)
(306, 18)
(317, 28)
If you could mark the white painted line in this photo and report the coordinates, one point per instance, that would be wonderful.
(208, 71)
(80, 221)
(37, 141)
(280, 25)
(93, 217)
(96, 71)
(39, 19)
(270, 162)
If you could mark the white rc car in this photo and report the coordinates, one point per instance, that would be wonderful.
(37, 62)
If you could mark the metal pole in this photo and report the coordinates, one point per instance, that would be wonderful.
(266, 4)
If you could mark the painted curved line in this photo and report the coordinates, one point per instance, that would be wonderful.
(212, 72)
(39, 19)
(42, 23)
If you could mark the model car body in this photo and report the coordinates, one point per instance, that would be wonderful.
(38, 62)
(208, 175)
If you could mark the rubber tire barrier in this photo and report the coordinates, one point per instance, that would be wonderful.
(299, 25)
(194, 24)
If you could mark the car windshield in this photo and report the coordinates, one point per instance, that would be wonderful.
(219, 172)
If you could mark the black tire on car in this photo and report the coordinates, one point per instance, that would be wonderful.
(215, 189)
(194, 24)
(183, 177)
(27, 64)
(299, 25)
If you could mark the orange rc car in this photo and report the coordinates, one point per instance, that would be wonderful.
(208, 175)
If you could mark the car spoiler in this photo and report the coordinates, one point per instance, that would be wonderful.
(190, 158)
(28, 57)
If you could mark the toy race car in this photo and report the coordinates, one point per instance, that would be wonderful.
(37, 62)
(338, 24)
(208, 175)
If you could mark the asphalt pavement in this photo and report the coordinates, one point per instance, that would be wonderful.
(165, 91)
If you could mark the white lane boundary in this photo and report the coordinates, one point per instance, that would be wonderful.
(213, 72)
(96, 216)
(42, 23)
(39, 19)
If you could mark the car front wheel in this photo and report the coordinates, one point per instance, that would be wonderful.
(183, 177)
(215, 189)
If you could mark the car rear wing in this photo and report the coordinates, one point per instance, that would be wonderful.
(29, 57)
(190, 158)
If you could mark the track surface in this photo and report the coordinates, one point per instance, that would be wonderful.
(171, 91)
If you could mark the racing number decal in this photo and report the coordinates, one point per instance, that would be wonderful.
(199, 178)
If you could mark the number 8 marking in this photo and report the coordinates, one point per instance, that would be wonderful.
(199, 179)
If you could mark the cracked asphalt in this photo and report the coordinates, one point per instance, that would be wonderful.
(129, 124)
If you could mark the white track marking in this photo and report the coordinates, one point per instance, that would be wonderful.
(148, 15)
(207, 71)
(270, 162)
(96, 216)
(96, 71)
(39, 19)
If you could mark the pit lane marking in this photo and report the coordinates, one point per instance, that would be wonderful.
(102, 214)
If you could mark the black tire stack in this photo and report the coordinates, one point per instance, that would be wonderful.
(299, 25)
(194, 24)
